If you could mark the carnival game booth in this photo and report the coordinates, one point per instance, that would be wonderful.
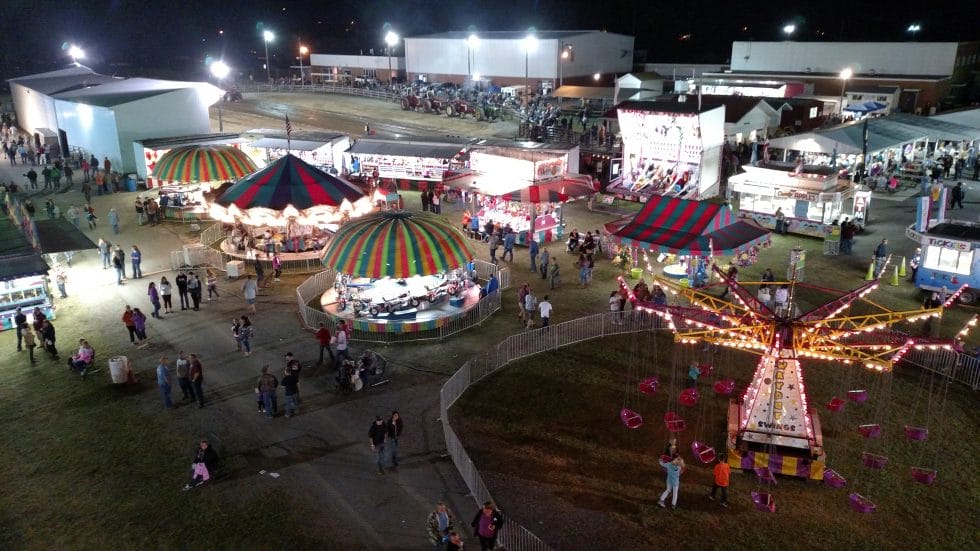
(324, 150)
(289, 207)
(23, 281)
(399, 271)
(669, 148)
(409, 164)
(183, 177)
(812, 198)
(523, 189)
(686, 235)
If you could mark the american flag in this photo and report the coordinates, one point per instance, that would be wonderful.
(289, 129)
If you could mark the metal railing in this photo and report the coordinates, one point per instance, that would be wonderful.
(384, 95)
(308, 296)
(959, 367)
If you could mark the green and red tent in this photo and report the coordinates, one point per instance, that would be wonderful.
(289, 181)
(203, 163)
(571, 186)
(686, 227)
(397, 244)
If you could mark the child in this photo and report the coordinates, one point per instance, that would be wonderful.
(693, 372)
(722, 472)
(674, 469)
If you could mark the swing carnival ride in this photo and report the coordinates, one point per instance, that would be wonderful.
(771, 427)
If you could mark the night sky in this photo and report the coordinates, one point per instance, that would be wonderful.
(173, 39)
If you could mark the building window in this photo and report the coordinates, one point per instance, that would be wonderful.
(857, 97)
(948, 260)
(813, 112)
(370, 73)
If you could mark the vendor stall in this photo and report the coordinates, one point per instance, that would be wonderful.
(324, 150)
(407, 163)
(22, 269)
(669, 148)
(812, 198)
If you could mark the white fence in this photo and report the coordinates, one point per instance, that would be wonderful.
(308, 293)
(384, 95)
(958, 367)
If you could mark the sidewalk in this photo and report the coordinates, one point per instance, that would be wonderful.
(323, 453)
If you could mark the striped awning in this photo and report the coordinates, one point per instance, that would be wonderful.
(397, 244)
(203, 163)
(289, 181)
(686, 227)
(571, 186)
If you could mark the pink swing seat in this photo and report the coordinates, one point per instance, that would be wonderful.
(724, 387)
(924, 476)
(704, 453)
(874, 461)
(765, 475)
(650, 385)
(630, 418)
(870, 431)
(862, 504)
(674, 422)
(689, 397)
(857, 396)
(835, 404)
(833, 479)
(706, 369)
(916, 433)
(764, 502)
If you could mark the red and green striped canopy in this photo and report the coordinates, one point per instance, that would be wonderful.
(289, 181)
(683, 226)
(571, 186)
(397, 244)
(203, 163)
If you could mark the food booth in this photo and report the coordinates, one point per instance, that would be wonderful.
(409, 164)
(669, 148)
(324, 150)
(812, 198)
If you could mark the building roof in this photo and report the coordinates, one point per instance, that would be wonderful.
(199, 139)
(969, 116)
(736, 107)
(688, 106)
(778, 103)
(873, 89)
(505, 35)
(125, 91)
(803, 75)
(955, 231)
(585, 92)
(63, 80)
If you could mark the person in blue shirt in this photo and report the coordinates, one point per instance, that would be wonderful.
(475, 226)
(509, 241)
(674, 469)
(533, 252)
(163, 381)
(493, 285)
(136, 257)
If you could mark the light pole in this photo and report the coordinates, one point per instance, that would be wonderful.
(914, 28)
(472, 42)
(267, 37)
(788, 30)
(565, 55)
(391, 39)
(844, 75)
(303, 50)
(76, 53)
(530, 44)
(220, 70)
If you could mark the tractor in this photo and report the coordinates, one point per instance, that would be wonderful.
(433, 104)
(487, 112)
(411, 102)
(459, 108)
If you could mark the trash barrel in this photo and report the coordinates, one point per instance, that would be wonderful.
(131, 182)
(118, 369)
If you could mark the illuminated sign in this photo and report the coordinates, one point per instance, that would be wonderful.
(784, 193)
(949, 243)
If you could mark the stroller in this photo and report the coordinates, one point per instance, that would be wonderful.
(367, 370)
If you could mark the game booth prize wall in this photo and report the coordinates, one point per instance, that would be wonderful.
(522, 188)
(669, 148)
(812, 198)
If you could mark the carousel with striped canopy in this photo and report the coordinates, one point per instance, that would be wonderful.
(398, 266)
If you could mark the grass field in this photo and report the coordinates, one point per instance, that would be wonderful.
(546, 430)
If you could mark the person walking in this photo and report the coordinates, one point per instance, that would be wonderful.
(722, 473)
(250, 290)
(127, 319)
(544, 309)
(323, 339)
(440, 525)
(532, 251)
(113, 217)
(509, 240)
(163, 381)
(492, 244)
(60, 280)
(545, 257)
(105, 251)
(915, 263)
(90, 217)
(183, 366)
(341, 341)
(957, 196)
(554, 275)
(166, 292)
(260, 279)
(119, 263)
(395, 426)
(72, 215)
(154, 295)
(212, 279)
(530, 306)
(181, 281)
(276, 266)
(614, 307)
(197, 379)
(195, 290)
(266, 387)
(48, 335)
(674, 468)
(290, 387)
(521, 296)
(486, 526)
(29, 342)
(20, 324)
(236, 333)
(245, 335)
(378, 435)
(139, 324)
(881, 256)
(205, 460)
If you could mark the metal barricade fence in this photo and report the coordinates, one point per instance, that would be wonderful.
(213, 234)
(958, 367)
(486, 269)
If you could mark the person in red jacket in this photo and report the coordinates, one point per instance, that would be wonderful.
(323, 337)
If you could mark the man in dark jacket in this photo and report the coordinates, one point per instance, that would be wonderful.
(181, 281)
(378, 434)
(395, 426)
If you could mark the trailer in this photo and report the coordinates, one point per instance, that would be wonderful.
(949, 258)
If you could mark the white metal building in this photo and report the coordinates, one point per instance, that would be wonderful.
(106, 115)
(348, 69)
(500, 56)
